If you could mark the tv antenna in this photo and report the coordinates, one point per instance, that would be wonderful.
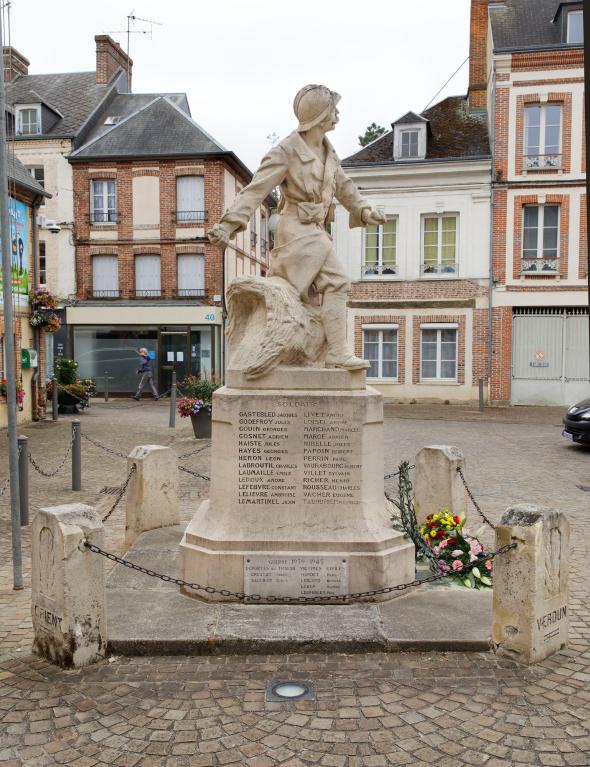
(131, 18)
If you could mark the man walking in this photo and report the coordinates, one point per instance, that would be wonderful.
(146, 372)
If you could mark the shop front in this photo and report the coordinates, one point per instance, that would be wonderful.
(185, 340)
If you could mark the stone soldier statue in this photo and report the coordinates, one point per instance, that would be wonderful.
(306, 168)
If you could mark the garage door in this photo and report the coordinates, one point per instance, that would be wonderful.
(550, 356)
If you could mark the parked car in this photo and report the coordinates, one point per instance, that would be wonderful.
(576, 423)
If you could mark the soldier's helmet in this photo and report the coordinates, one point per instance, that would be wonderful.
(312, 104)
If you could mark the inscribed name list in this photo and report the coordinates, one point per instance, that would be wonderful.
(299, 452)
(268, 576)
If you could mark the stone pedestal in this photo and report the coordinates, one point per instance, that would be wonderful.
(438, 484)
(297, 506)
(530, 609)
(152, 495)
(67, 586)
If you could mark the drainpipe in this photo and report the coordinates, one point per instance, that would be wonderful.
(491, 269)
(36, 332)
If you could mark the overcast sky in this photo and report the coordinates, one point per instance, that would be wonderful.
(242, 61)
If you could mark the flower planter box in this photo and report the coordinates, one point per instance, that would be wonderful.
(67, 403)
(202, 424)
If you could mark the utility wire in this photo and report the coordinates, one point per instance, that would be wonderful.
(445, 85)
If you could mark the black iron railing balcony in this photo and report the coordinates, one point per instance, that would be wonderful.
(190, 216)
(94, 293)
(190, 293)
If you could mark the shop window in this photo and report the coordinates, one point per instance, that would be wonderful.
(438, 353)
(380, 350)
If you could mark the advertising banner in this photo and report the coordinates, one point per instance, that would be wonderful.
(19, 251)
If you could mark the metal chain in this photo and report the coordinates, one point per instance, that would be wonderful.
(291, 600)
(50, 474)
(121, 493)
(397, 473)
(194, 452)
(103, 447)
(194, 473)
(4, 487)
(473, 501)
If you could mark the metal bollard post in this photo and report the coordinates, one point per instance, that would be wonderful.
(481, 395)
(23, 479)
(54, 399)
(172, 421)
(76, 455)
(106, 385)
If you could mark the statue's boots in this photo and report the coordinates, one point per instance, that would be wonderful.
(334, 321)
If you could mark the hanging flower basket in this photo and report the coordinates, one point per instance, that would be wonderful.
(43, 305)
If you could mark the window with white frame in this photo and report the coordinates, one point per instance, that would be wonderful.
(542, 136)
(540, 238)
(409, 143)
(147, 276)
(380, 350)
(438, 352)
(190, 200)
(380, 256)
(38, 173)
(575, 27)
(191, 275)
(105, 277)
(28, 119)
(439, 244)
(103, 202)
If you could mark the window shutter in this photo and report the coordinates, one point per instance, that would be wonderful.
(190, 197)
(105, 274)
(191, 273)
(147, 275)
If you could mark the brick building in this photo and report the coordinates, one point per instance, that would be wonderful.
(528, 73)
(136, 183)
(419, 301)
(148, 183)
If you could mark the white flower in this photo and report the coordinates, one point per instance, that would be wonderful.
(472, 558)
(456, 553)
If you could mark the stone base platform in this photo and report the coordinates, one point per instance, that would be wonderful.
(150, 617)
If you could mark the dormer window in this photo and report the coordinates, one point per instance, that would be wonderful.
(28, 119)
(575, 27)
(409, 137)
(409, 143)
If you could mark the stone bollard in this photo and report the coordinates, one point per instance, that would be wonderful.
(68, 591)
(530, 608)
(438, 484)
(152, 495)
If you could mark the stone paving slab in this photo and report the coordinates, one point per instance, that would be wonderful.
(148, 616)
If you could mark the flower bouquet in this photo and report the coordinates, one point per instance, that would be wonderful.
(187, 407)
(457, 552)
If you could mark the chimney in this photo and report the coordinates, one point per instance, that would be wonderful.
(478, 39)
(110, 59)
(15, 64)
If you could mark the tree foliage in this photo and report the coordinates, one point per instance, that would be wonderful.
(372, 132)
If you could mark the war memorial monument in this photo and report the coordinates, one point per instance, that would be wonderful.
(296, 505)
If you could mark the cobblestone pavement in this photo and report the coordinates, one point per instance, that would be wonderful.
(370, 710)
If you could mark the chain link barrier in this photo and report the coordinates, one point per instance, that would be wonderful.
(194, 452)
(107, 449)
(397, 473)
(62, 463)
(242, 596)
(120, 494)
(194, 473)
(473, 501)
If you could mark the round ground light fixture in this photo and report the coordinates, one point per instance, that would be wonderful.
(289, 689)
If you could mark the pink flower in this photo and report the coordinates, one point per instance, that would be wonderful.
(489, 565)
(443, 544)
(457, 565)
(475, 547)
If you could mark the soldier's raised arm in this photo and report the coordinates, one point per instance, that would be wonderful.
(271, 172)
